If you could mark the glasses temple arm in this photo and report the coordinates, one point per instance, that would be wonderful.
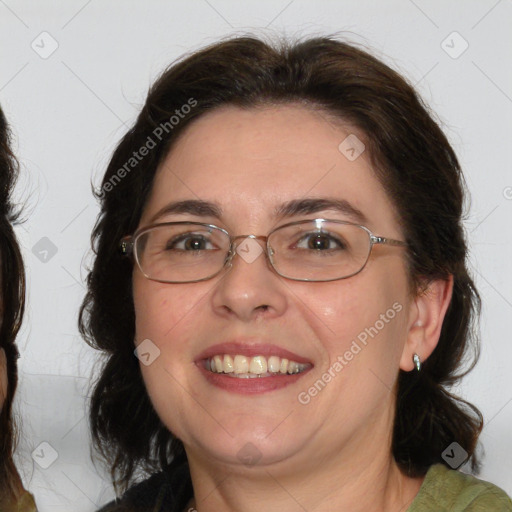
(387, 241)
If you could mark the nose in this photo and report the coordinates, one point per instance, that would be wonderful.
(249, 288)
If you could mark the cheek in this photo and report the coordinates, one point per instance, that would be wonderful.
(161, 331)
(161, 317)
(363, 318)
(160, 309)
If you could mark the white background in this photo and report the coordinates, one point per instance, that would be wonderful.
(69, 110)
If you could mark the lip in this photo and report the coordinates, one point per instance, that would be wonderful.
(250, 349)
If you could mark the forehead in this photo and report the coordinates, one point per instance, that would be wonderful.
(251, 160)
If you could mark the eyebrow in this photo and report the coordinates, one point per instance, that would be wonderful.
(195, 207)
(306, 206)
(293, 208)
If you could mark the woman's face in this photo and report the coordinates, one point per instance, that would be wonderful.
(351, 332)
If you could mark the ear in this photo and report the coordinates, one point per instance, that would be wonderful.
(426, 316)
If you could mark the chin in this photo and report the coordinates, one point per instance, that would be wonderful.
(224, 436)
(248, 450)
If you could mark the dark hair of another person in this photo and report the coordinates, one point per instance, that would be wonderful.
(412, 159)
(12, 304)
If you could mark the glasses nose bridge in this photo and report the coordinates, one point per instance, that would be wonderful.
(254, 237)
(234, 245)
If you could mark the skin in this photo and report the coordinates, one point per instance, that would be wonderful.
(335, 452)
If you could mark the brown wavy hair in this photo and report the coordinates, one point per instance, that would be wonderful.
(413, 160)
(12, 305)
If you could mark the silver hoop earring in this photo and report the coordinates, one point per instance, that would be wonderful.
(417, 361)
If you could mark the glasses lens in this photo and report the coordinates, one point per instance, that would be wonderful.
(181, 252)
(319, 250)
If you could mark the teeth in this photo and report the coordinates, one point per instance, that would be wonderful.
(228, 366)
(258, 365)
(218, 363)
(249, 367)
(241, 365)
(293, 367)
(273, 364)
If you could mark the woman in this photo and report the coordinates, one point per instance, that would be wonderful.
(297, 294)
(12, 302)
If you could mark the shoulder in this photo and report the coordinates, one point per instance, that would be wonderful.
(166, 491)
(447, 490)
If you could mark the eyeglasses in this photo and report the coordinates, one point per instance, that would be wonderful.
(307, 250)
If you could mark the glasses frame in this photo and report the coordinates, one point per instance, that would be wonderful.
(128, 244)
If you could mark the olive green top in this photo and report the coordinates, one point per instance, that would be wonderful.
(446, 490)
(26, 503)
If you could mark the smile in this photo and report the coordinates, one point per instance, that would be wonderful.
(244, 367)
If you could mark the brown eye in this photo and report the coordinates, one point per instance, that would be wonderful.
(188, 243)
(319, 242)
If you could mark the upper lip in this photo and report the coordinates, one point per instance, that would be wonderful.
(251, 348)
